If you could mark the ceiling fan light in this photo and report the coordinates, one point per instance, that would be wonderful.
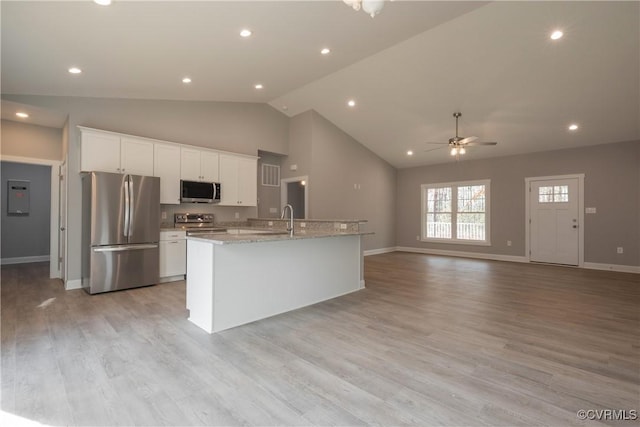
(372, 7)
(355, 4)
(454, 151)
(462, 150)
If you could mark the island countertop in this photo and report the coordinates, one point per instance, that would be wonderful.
(270, 235)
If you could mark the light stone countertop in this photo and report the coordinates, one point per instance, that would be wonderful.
(308, 220)
(226, 239)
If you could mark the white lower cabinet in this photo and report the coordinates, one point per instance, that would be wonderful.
(173, 255)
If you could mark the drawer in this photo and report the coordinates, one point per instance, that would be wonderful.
(172, 235)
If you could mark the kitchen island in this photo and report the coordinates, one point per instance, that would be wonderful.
(234, 279)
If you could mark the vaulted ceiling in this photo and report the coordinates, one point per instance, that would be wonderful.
(408, 69)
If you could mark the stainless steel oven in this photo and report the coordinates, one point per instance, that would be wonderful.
(197, 223)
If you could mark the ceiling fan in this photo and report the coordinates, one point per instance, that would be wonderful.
(458, 144)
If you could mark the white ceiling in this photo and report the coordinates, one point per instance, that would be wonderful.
(408, 69)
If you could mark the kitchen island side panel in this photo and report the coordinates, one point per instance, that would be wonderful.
(200, 285)
(258, 280)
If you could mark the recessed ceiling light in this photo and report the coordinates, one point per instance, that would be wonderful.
(102, 2)
(557, 34)
(186, 80)
(325, 51)
(245, 33)
(258, 86)
(573, 126)
(22, 115)
(351, 103)
(409, 153)
(75, 70)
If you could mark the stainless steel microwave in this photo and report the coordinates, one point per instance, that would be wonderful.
(199, 192)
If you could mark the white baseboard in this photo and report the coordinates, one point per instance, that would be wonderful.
(493, 257)
(361, 284)
(172, 279)
(379, 251)
(73, 284)
(24, 259)
(512, 258)
(612, 267)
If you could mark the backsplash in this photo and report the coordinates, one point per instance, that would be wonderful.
(222, 213)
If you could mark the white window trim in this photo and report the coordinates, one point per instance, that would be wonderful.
(487, 187)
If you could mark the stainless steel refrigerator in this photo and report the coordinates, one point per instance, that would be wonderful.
(120, 231)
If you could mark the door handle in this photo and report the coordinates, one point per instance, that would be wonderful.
(62, 228)
(123, 248)
(575, 226)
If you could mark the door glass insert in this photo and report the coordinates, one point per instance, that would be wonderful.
(561, 193)
(553, 194)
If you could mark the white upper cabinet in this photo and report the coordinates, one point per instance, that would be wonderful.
(118, 153)
(238, 180)
(136, 156)
(199, 165)
(248, 181)
(107, 152)
(100, 152)
(209, 166)
(166, 166)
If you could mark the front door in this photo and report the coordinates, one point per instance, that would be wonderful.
(554, 221)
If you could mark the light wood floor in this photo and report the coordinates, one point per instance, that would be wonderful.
(430, 341)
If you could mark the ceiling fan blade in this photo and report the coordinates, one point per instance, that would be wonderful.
(467, 140)
(437, 143)
(482, 143)
(432, 149)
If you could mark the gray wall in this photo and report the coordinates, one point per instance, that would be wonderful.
(268, 197)
(27, 235)
(236, 127)
(334, 162)
(612, 185)
(26, 140)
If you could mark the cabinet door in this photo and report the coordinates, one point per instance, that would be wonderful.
(247, 182)
(190, 164)
(209, 168)
(228, 180)
(136, 156)
(166, 165)
(99, 152)
(173, 258)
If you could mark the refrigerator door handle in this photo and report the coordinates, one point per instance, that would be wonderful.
(122, 248)
(131, 204)
(127, 213)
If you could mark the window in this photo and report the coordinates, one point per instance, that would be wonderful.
(456, 212)
(553, 194)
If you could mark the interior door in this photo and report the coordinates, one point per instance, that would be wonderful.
(554, 221)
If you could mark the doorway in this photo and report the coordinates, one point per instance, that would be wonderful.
(54, 270)
(554, 224)
(295, 191)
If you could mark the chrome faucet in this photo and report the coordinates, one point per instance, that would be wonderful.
(290, 225)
